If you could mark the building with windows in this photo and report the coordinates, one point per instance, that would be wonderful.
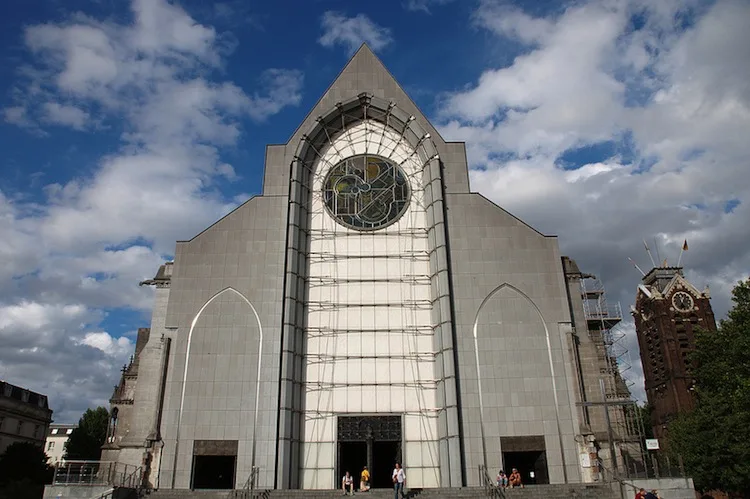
(365, 308)
(24, 416)
(667, 311)
(57, 437)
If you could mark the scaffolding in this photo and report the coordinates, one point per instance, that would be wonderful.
(368, 297)
(615, 365)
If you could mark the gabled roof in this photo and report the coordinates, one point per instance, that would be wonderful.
(680, 282)
(364, 73)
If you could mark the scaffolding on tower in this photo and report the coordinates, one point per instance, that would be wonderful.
(606, 332)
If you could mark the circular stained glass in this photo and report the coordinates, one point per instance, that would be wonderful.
(366, 192)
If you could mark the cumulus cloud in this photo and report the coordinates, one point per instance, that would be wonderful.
(660, 91)
(113, 347)
(67, 261)
(351, 32)
(61, 114)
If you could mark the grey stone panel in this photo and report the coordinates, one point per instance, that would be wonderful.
(488, 247)
(147, 394)
(245, 251)
(276, 176)
(451, 465)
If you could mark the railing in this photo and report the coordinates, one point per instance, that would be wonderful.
(658, 467)
(248, 489)
(490, 488)
(107, 494)
(97, 473)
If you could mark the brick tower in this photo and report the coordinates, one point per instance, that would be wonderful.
(667, 311)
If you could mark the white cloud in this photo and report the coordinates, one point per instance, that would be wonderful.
(113, 347)
(83, 249)
(673, 104)
(65, 115)
(351, 32)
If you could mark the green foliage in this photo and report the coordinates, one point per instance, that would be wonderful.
(23, 471)
(713, 439)
(85, 442)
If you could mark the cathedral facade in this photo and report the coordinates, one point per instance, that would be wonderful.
(367, 308)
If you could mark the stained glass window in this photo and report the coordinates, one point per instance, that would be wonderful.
(366, 192)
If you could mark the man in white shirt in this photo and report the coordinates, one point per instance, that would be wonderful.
(399, 478)
(348, 483)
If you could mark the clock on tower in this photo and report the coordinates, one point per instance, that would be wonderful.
(667, 311)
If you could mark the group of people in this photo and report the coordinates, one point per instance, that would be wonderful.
(642, 494)
(514, 480)
(398, 476)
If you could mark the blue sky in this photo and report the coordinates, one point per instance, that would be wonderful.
(128, 125)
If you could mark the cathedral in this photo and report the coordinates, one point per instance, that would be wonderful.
(365, 309)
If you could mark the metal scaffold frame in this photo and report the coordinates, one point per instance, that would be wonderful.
(603, 319)
(413, 257)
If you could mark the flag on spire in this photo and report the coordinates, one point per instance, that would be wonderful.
(684, 246)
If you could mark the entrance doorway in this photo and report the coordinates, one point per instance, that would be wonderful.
(352, 458)
(384, 457)
(372, 441)
(528, 454)
(531, 464)
(213, 472)
(214, 464)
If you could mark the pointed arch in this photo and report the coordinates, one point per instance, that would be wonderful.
(551, 368)
(228, 289)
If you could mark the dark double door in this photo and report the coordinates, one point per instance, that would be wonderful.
(372, 441)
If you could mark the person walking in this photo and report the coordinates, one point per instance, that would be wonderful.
(399, 478)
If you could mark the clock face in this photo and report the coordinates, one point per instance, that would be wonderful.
(682, 301)
(366, 192)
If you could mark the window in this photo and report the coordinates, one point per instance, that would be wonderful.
(69, 431)
(36, 431)
(366, 192)
(2, 420)
(7, 389)
(19, 427)
(25, 396)
(41, 401)
(54, 431)
(50, 445)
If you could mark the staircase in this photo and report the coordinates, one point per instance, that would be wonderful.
(571, 491)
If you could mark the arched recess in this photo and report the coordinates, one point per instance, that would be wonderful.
(308, 155)
(475, 332)
(187, 365)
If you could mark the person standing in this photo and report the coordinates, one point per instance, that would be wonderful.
(399, 478)
(641, 494)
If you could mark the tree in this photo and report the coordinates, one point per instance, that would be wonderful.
(85, 442)
(713, 439)
(23, 471)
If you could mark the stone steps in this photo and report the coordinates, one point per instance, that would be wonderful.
(571, 491)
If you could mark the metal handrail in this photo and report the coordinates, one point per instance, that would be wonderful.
(97, 473)
(107, 494)
(248, 489)
(490, 488)
(133, 480)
